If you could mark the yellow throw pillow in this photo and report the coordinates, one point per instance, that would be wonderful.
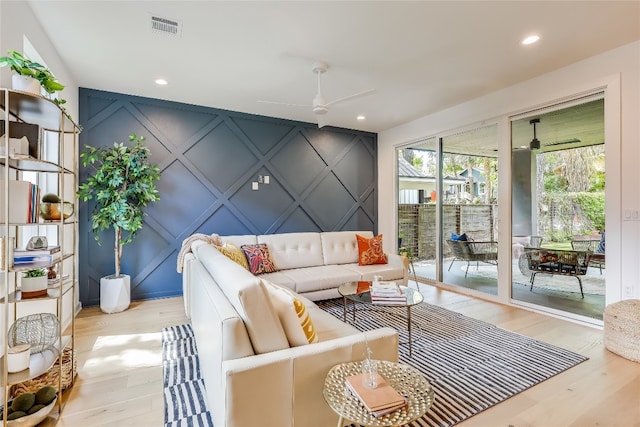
(293, 315)
(234, 253)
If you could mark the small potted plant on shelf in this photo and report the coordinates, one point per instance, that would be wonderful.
(34, 283)
(25, 71)
(122, 184)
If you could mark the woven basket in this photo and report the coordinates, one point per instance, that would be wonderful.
(622, 328)
(51, 376)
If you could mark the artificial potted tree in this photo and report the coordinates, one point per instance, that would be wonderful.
(122, 184)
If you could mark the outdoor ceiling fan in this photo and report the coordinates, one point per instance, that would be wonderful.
(320, 106)
(535, 143)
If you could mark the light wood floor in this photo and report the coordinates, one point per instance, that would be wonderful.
(119, 379)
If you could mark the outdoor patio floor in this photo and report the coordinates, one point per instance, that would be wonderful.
(557, 292)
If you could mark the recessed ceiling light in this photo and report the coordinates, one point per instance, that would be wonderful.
(361, 117)
(531, 39)
(161, 82)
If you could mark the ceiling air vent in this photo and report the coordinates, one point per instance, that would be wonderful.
(165, 26)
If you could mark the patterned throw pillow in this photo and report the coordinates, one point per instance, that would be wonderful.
(234, 253)
(370, 250)
(259, 258)
(293, 315)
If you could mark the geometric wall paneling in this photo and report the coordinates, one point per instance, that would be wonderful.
(189, 199)
(320, 180)
(178, 129)
(263, 132)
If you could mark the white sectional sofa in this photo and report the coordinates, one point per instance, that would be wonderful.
(253, 376)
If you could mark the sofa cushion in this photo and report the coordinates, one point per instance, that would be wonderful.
(247, 295)
(294, 250)
(259, 258)
(341, 247)
(234, 253)
(294, 316)
(370, 250)
(329, 327)
(240, 239)
(389, 272)
(320, 277)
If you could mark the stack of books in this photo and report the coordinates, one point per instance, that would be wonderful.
(23, 202)
(381, 400)
(387, 293)
(27, 256)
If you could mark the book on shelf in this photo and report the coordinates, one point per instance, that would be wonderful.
(32, 259)
(23, 201)
(50, 250)
(379, 401)
(56, 280)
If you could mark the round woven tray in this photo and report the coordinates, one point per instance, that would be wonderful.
(69, 370)
(622, 328)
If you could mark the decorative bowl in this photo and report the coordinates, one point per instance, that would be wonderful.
(33, 419)
(51, 211)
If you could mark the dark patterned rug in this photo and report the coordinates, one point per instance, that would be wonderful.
(472, 365)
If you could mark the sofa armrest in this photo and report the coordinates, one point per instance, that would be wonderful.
(284, 387)
(186, 283)
(396, 259)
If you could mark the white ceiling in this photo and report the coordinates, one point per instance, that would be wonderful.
(420, 56)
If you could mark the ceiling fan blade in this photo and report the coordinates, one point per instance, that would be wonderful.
(321, 121)
(355, 95)
(286, 103)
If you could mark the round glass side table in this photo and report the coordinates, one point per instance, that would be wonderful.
(405, 379)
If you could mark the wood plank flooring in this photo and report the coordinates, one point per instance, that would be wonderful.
(119, 379)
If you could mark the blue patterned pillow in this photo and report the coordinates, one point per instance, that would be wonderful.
(462, 237)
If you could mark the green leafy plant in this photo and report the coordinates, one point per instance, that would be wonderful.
(36, 272)
(25, 67)
(122, 184)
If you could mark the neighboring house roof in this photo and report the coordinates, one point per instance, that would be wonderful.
(478, 174)
(406, 170)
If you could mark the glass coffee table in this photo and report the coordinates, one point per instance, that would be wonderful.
(357, 292)
(405, 379)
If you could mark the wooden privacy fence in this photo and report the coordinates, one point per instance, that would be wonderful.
(417, 225)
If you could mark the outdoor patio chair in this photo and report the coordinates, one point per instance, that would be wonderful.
(590, 244)
(473, 251)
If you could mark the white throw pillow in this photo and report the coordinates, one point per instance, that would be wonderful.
(293, 315)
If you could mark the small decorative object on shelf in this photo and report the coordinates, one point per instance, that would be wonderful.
(40, 330)
(52, 208)
(18, 358)
(23, 66)
(37, 242)
(33, 283)
(29, 409)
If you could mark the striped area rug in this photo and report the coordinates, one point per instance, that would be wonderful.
(184, 392)
(472, 365)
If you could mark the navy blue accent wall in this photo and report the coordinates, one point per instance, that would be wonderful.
(320, 180)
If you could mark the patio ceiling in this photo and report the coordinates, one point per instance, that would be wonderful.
(576, 126)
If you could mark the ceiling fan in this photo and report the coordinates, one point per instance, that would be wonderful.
(320, 106)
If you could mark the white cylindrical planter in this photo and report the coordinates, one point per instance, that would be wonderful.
(25, 84)
(32, 287)
(115, 293)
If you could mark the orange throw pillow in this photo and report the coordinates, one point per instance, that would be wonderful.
(370, 250)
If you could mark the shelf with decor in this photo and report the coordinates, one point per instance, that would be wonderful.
(38, 146)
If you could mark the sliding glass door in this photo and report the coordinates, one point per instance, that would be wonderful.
(447, 208)
(558, 206)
